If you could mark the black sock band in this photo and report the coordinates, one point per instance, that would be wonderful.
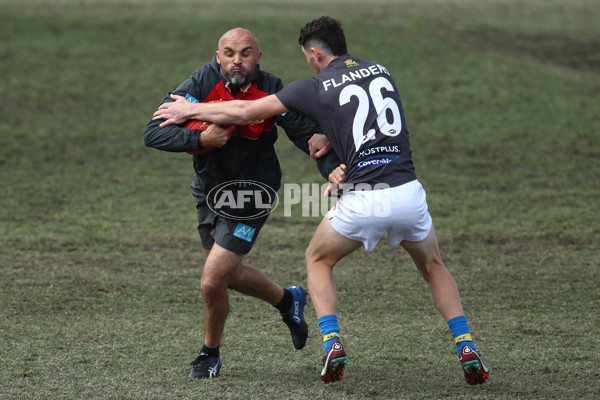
(285, 303)
(210, 351)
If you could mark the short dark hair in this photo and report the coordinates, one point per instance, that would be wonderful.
(325, 32)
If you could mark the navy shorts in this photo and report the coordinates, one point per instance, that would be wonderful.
(237, 236)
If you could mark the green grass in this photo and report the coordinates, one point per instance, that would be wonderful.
(99, 257)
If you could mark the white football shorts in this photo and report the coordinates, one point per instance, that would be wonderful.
(366, 216)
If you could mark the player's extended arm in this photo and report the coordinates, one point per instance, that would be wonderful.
(238, 112)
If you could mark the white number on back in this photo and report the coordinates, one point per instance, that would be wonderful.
(381, 104)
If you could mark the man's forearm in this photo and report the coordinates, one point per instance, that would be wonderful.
(230, 112)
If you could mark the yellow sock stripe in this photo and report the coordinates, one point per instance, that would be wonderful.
(329, 336)
(463, 338)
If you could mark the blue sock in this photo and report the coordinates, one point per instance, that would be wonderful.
(329, 330)
(461, 333)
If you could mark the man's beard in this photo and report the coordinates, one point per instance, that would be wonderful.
(238, 78)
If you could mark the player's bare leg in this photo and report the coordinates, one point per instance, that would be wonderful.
(218, 268)
(426, 255)
(326, 248)
(253, 282)
(427, 258)
(220, 265)
(225, 270)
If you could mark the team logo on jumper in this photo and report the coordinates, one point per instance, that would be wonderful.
(242, 199)
(351, 63)
(244, 232)
(246, 88)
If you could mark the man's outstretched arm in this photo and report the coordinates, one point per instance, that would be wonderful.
(238, 112)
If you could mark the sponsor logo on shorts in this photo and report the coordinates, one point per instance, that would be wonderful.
(244, 232)
(242, 199)
(191, 98)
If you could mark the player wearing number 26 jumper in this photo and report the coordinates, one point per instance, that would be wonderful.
(357, 104)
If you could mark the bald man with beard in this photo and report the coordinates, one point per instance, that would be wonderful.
(236, 154)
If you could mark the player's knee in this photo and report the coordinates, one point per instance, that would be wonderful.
(308, 254)
(213, 290)
(431, 268)
(312, 256)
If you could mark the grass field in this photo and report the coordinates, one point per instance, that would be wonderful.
(99, 257)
